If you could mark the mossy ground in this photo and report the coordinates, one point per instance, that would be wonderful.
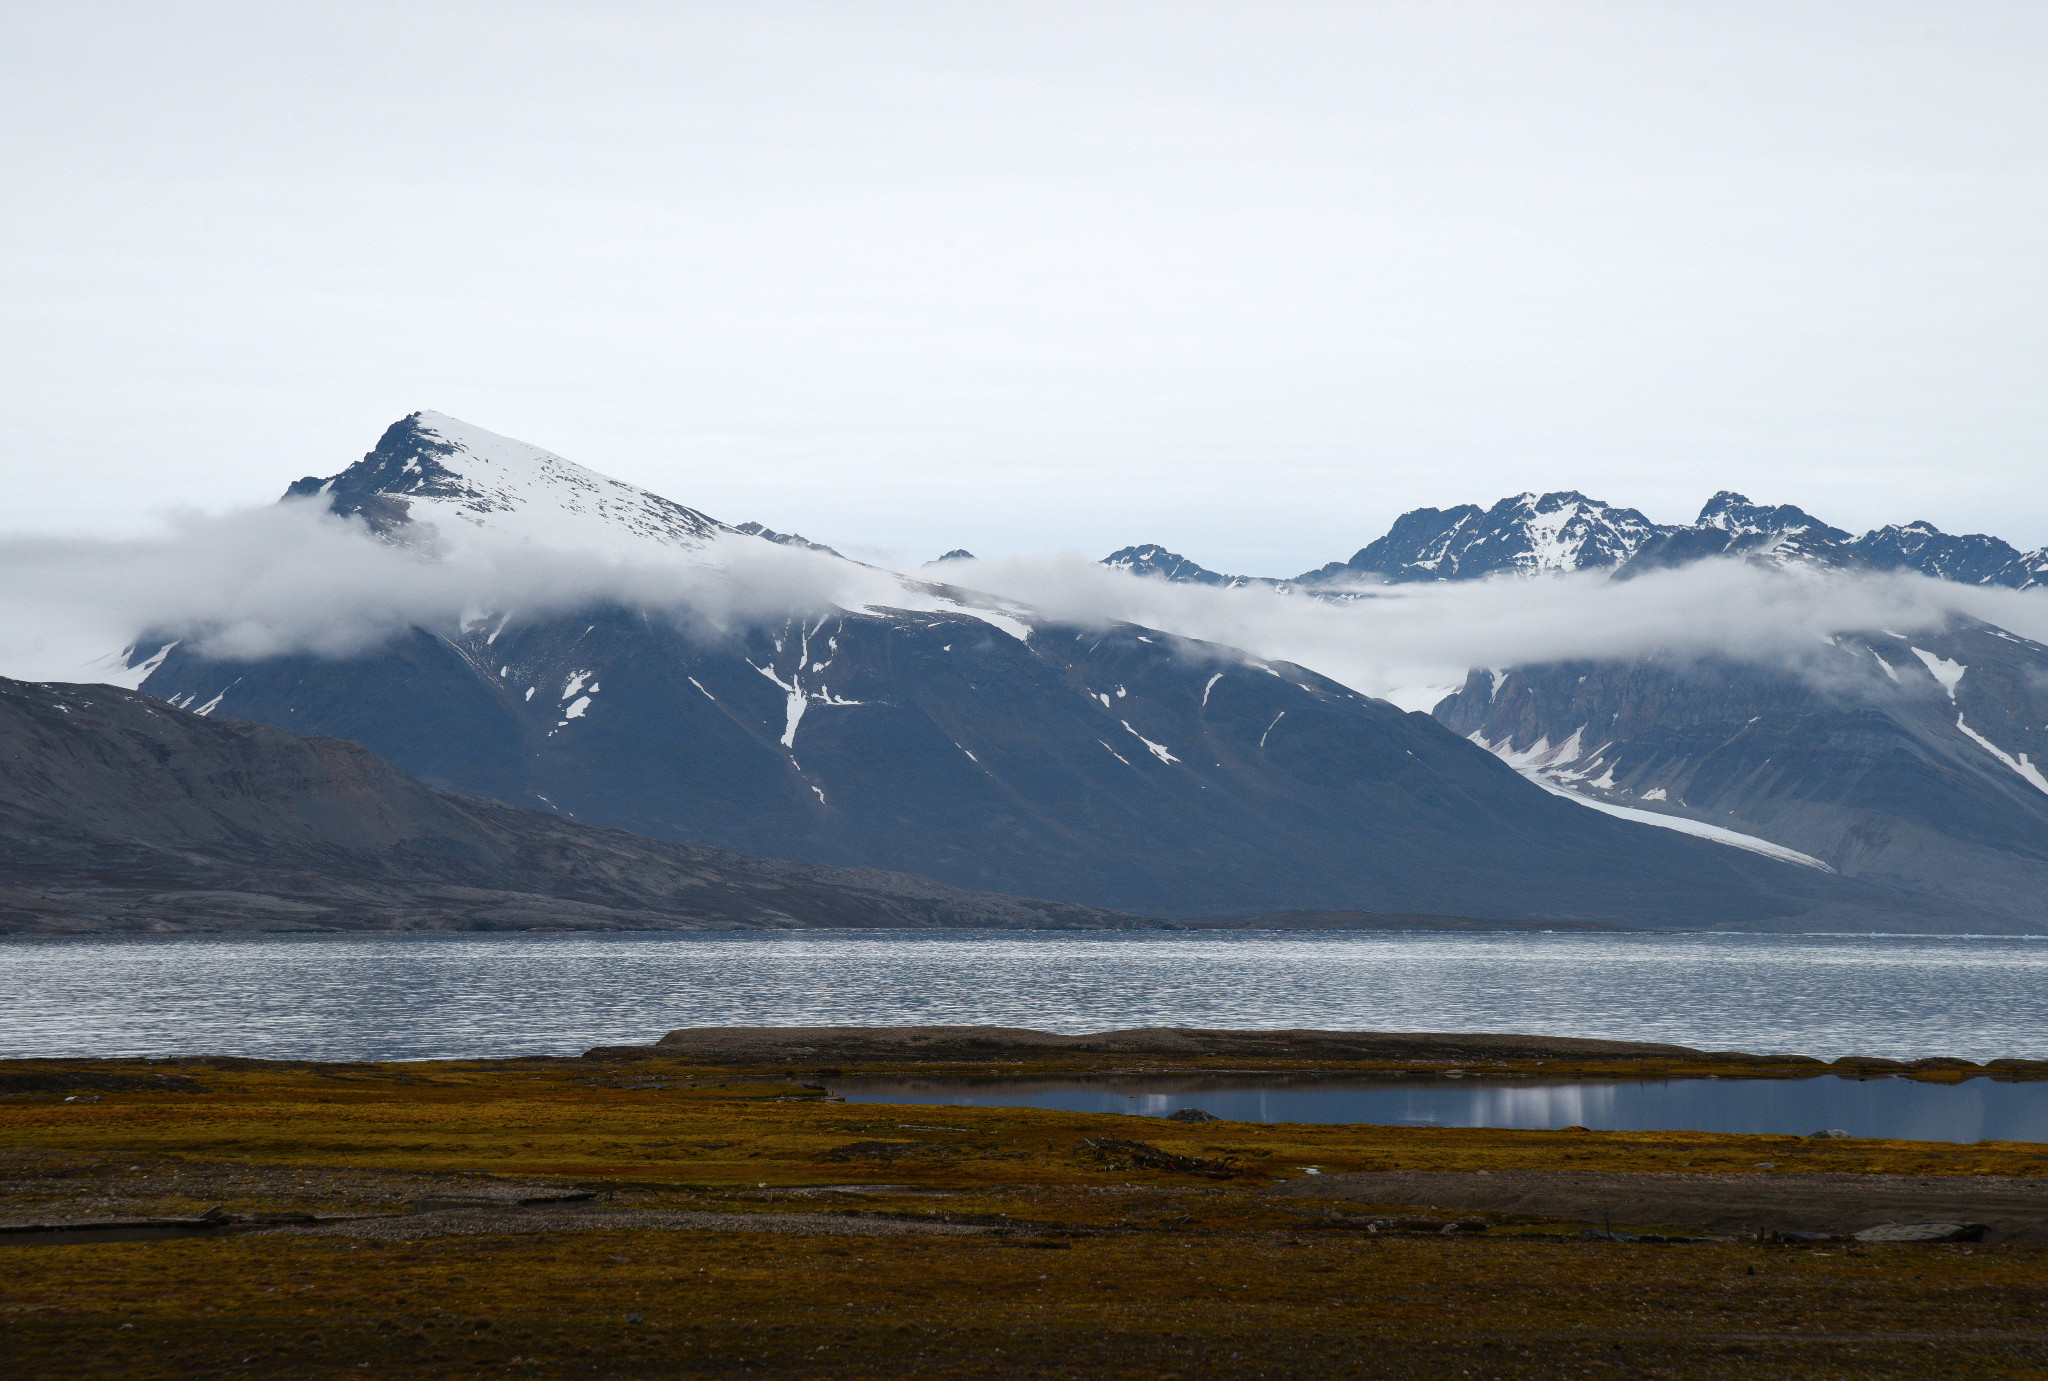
(1095, 1269)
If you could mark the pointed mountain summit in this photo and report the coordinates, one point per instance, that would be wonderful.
(1734, 513)
(432, 471)
(1156, 561)
(1730, 525)
(1975, 559)
(1525, 534)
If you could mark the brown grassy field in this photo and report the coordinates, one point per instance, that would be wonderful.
(739, 1224)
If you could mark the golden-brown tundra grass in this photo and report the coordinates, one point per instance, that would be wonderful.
(742, 1225)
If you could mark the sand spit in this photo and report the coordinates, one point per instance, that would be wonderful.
(823, 1047)
(957, 1044)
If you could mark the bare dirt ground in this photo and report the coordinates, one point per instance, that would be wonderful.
(574, 1218)
(54, 1186)
(2014, 1209)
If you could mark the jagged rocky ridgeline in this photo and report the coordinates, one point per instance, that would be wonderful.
(1533, 534)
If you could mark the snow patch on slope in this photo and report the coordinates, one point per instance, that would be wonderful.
(1158, 749)
(1540, 762)
(2020, 764)
(115, 671)
(1949, 674)
(1699, 829)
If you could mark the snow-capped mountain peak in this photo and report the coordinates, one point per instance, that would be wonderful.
(1973, 559)
(1523, 534)
(783, 539)
(1731, 525)
(429, 468)
(1151, 559)
(1734, 513)
(439, 484)
(1567, 531)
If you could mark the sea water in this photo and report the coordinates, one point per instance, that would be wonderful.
(425, 996)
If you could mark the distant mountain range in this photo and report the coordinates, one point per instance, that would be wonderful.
(1911, 762)
(1535, 534)
(938, 731)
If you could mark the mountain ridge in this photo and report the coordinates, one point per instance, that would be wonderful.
(1115, 766)
(1531, 534)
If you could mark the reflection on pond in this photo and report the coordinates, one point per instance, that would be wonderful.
(1975, 1110)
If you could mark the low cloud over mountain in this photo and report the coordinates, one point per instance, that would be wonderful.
(297, 578)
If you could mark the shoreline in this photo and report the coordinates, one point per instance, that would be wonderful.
(1022, 1052)
(1360, 926)
(1172, 1050)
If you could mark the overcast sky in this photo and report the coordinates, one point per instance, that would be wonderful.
(1247, 279)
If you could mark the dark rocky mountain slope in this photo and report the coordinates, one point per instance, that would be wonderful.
(118, 812)
(1122, 768)
(1906, 761)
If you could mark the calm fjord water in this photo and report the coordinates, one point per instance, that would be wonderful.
(442, 996)
(1978, 1109)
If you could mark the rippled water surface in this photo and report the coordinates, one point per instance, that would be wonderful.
(424, 996)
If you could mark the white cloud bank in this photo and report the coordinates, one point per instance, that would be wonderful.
(1410, 642)
(293, 578)
(290, 578)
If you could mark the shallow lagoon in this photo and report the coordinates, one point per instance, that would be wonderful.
(1974, 1110)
